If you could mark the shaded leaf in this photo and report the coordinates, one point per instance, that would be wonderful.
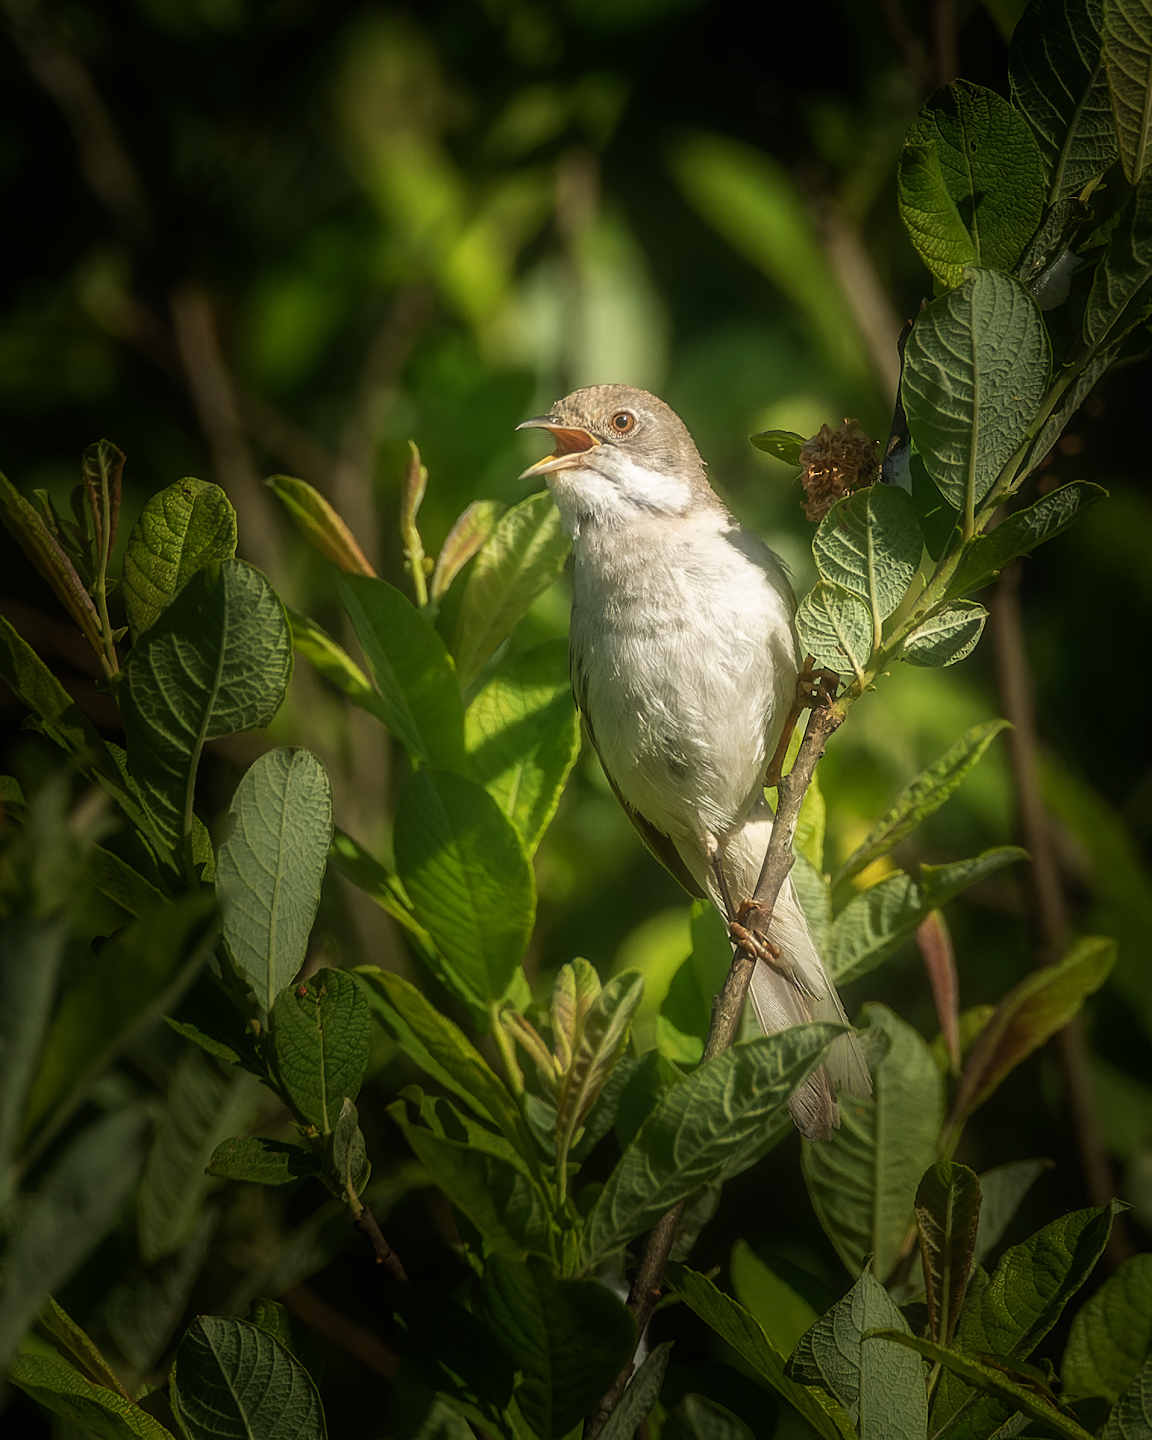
(783, 1315)
(1002, 1189)
(319, 523)
(1111, 1333)
(115, 878)
(53, 1383)
(233, 1381)
(180, 530)
(143, 1311)
(698, 1418)
(1119, 287)
(31, 951)
(947, 1217)
(862, 1181)
(271, 866)
(1131, 1417)
(261, 1162)
(349, 1151)
(1033, 1010)
(643, 1391)
(321, 1031)
(1128, 61)
(948, 637)
(71, 1341)
(521, 558)
(1021, 532)
(870, 543)
(419, 693)
(334, 663)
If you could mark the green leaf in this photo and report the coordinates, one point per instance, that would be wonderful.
(483, 1176)
(1059, 86)
(1127, 26)
(261, 1162)
(836, 627)
(419, 693)
(975, 372)
(366, 872)
(77, 1203)
(862, 1181)
(599, 1041)
(1010, 1314)
(947, 1218)
(994, 1381)
(1002, 1190)
(643, 1391)
(870, 543)
(971, 182)
(1111, 1333)
(698, 1418)
(215, 662)
(1021, 532)
(698, 1129)
(784, 444)
(522, 735)
(1042, 1003)
(31, 951)
(524, 554)
(349, 1151)
(946, 637)
(142, 1311)
(440, 1048)
(464, 869)
(334, 663)
(781, 1312)
(203, 1106)
(1119, 287)
(53, 1383)
(1072, 399)
(456, 1357)
(880, 1387)
(740, 1329)
(472, 530)
(568, 1338)
(58, 1326)
(880, 919)
(921, 798)
(101, 474)
(180, 530)
(1131, 1418)
(233, 1381)
(115, 878)
(686, 1014)
(137, 975)
(271, 866)
(321, 1032)
(320, 525)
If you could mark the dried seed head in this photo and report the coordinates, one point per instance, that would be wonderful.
(836, 462)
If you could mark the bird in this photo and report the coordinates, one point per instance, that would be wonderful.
(684, 661)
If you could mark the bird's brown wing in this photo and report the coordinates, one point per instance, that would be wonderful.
(656, 841)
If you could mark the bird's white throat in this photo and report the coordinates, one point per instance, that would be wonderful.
(608, 488)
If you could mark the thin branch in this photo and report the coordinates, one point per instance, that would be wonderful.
(365, 1221)
(1049, 908)
(727, 1008)
(336, 1328)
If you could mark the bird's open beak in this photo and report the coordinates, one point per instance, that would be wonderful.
(570, 443)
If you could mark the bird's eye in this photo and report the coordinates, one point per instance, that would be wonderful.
(622, 422)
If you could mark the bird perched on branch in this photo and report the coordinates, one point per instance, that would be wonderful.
(685, 663)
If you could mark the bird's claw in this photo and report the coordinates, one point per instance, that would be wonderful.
(815, 689)
(751, 941)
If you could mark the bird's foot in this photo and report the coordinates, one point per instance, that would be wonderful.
(750, 940)
(815, 688)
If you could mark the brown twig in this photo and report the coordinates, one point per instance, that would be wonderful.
(1049, 908)
(726, 1011)
(366, 1222)
(345, 1334)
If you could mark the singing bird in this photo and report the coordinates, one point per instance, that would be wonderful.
(685, 661)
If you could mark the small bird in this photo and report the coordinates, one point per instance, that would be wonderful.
(684, 661)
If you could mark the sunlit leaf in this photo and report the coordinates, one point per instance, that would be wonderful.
(98, 1411)
(836, 627)
(870, 543)
(781, 1312)
(469, 533)
(948, 637)
(784, 444)
(180, 530)
(319, 523)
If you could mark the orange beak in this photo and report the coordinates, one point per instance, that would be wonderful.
(570, 443)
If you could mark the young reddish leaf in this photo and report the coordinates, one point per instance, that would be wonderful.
(947, 1217)
(935, 944)
(319, 523)
(465, 538)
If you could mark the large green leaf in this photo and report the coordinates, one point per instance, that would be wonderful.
(1010, 1314)
(1111, 1333)
(971, 182)
(1120, 290)
(180, 530)
(698, 1128)
(334, 663)
(216, 661)
(482, 1175)
(921, 798)
(740, 1329)
(1059, 86)
(137, 975)
(471, 886)
(30, 954)
(568, 1338)
(1021, 532)
(947, 1218)
(522, 734)
(1128, 60)
(77, 1203)
(1033, 1010)
(881, 1387)
(95, 1409)
(862, 1181)
(781, 1312)
(440, 1048)
(521, 558)
(70, 1340)
(836, 627)
(270, 868)
(975, 371)
(321, 1032)
(203, 1106)
(233, 1381)
(1131, 1417)
(870, 543)
(419, 693)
